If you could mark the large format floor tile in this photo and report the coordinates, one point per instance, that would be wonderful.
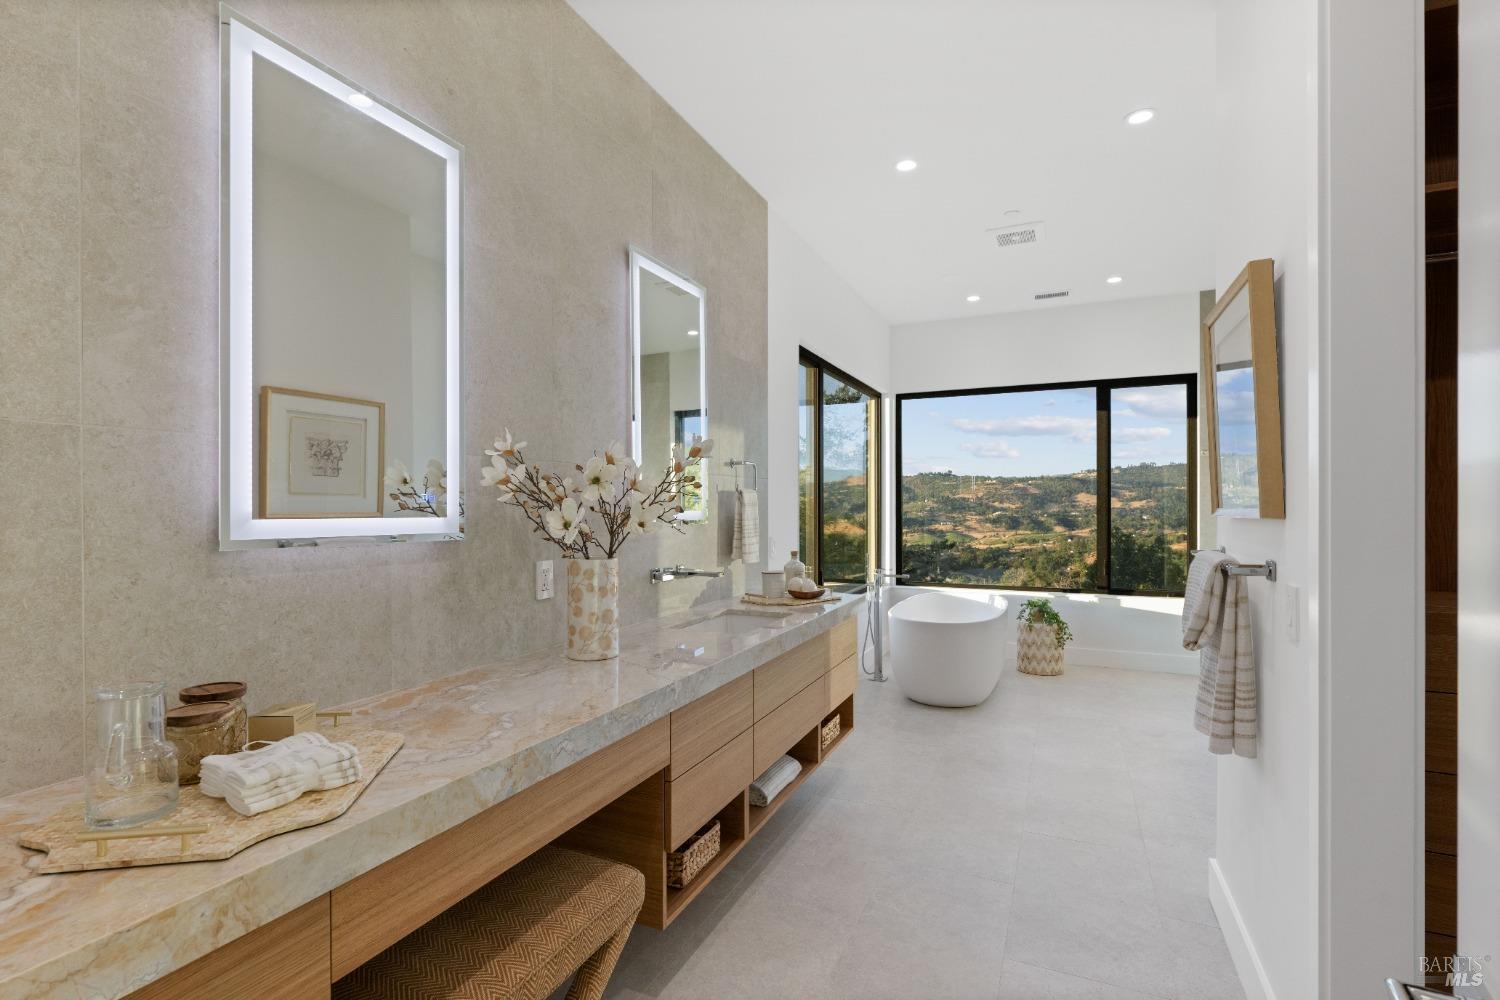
(1052, 842)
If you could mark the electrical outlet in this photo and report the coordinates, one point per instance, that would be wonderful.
(544, 579)
(1291, 610)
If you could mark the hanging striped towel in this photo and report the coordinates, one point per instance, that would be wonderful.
(747, 526)
(774, 781)
(1216, 623)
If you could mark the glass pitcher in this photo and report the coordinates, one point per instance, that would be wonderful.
(132, 776)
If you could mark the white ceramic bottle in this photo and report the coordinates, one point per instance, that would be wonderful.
(792, 570)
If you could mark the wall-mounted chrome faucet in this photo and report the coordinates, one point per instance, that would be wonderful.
(664, 573)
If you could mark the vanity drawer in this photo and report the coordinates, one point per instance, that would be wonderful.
(779, 732)
(694, 798)
(842, 680)
(791, 672)
(710, 722)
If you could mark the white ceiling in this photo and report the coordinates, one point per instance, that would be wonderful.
(1005, 104)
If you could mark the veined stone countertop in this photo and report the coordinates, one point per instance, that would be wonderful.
(472, 739)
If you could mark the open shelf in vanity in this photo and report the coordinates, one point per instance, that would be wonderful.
(719, 744)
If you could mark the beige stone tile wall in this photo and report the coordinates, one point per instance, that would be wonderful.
(109, 561)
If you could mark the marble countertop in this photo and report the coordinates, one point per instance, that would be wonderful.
(472, 740)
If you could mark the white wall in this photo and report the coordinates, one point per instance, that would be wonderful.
(1266, 875)
(1479, 489)
(1124, 339)
(809, 306)
(1316, 875)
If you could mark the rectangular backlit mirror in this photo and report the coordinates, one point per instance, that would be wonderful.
(671, 372)
(340, 332)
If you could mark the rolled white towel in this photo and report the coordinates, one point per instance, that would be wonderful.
(774, 780)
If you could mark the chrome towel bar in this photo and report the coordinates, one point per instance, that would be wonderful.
(755, 481)
(1266, 569)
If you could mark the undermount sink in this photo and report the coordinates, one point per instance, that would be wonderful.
(734, 621)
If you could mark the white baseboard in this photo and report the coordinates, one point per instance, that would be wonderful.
(1247, 963)
(1124, 659)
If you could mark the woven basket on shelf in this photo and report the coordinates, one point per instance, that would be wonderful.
(831, 731)
(1037, 651)
(683, 866)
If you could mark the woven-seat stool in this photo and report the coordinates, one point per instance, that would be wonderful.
(518, 938)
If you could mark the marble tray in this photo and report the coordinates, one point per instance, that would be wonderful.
(228, 831)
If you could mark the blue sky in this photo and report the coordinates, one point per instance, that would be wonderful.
(1046, 432)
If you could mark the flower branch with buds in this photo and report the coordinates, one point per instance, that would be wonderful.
(593, 516)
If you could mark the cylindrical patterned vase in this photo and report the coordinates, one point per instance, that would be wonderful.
(593, 609)
(1037, 651)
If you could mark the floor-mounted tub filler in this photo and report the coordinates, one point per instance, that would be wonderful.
(947, 650)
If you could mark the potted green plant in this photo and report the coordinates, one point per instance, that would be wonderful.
(1041, 638)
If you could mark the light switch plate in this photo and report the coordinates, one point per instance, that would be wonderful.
(543, 579)
(1291, 610)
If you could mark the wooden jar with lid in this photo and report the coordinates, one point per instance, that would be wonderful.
(199, 730)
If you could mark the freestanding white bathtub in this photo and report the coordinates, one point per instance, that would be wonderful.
(947, 650)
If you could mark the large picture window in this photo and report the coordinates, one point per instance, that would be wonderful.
(1079, 486)
(838, 444)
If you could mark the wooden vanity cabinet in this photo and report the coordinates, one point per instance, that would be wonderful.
(719, 744)
(633, 801)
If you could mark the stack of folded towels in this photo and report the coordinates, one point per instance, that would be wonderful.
(257, 780)
(774, 781)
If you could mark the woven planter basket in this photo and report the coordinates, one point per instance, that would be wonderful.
(683, 866)
(831, 731)
(1037, 651)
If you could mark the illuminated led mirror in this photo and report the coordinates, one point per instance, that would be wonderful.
(339, 400)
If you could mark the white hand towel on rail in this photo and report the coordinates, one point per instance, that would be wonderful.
(1216, 623)
(774, 781)
(747, 526)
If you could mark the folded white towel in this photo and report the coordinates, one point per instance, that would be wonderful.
(282, 758)
(774, 780)
(312, 779)
(747, 526)
(258, 780)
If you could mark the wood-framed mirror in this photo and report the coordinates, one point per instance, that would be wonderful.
(1242, 397)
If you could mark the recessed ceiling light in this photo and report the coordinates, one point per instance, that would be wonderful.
(360, 100)
(692, 333)
(1140, 116)
(1113, 279)
(906, 166)
(971, 298)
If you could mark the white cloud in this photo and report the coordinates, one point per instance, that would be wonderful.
(1236, 407)
(1140, 433)
(1166, 401)
(989, 449)
(1077, 428)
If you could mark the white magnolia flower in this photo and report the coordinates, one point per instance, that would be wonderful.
(506, 447)
(501, 476)
(560, 489)
(398, 479)
(599, 481)
(630, 474)
(643, 518)
(615, 454)
(702, 447)
(437, 479)
(564, 523)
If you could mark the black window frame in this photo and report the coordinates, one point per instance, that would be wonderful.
(1102, 511)
(874, 520)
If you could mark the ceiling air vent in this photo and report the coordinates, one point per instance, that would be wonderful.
(1043, 296)
(1015, 236)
